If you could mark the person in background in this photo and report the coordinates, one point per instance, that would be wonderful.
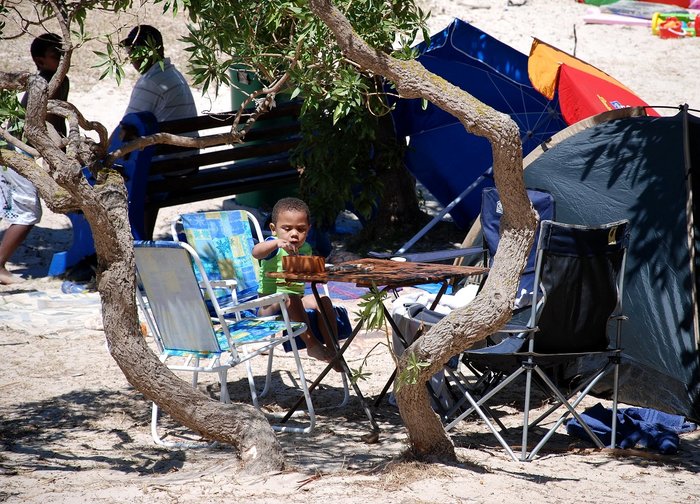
(161, 89)
(290, 224)
(19, 200)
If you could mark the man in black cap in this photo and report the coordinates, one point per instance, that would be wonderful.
(161, 89)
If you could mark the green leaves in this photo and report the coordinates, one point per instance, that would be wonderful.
(372, 309)
(11, 112)
(409, 376)
(110, 63)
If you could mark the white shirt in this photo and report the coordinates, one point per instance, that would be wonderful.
(164, 92)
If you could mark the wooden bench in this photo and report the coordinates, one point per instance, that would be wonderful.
(162, 176)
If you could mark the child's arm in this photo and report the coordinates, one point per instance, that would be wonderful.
(266, 248)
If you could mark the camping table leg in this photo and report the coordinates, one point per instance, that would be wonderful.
(339, 351)
(395, 328)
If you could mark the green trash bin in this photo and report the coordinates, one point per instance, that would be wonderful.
(243, 83)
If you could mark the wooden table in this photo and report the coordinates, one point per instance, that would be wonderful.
(392, 274)
(386, 275)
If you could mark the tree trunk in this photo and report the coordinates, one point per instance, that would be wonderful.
(463, 328)
(399, 203)
(61, 185)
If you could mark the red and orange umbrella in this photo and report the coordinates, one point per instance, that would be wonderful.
(583, 89)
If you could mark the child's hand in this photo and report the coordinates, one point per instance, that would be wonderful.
(287, 246)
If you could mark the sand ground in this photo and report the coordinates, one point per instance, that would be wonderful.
(73, 430)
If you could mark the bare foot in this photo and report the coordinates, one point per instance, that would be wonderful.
(322, 353)
(7, 278)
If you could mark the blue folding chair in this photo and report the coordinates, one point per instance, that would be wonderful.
(224, 242)
(579, 272)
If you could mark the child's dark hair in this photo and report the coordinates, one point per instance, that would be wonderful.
(45, 43)
(289, 205)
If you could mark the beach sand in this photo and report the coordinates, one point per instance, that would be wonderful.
(73, 430)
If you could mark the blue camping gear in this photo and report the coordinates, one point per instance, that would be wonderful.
(643, 427)
(450, 162)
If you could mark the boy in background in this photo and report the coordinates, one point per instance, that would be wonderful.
(19, 201)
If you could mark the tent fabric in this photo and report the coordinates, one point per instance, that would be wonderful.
(636, 168)
(441, 154)
(583, 90)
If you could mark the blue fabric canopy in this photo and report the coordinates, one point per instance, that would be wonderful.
(442, 155)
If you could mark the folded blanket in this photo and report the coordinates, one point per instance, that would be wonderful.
(643, 427)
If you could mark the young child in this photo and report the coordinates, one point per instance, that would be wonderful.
(19, 200)
(290, 227)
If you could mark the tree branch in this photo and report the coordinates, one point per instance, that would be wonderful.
(463, 328)
(18, 144)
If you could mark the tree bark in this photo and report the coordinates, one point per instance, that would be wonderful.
(463, 328)
(62, 186)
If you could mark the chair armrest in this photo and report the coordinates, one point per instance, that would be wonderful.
(257, 302)
(222, 284)
(516, 329)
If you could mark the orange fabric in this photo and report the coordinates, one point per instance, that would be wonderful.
(543, 68)
(584, 90)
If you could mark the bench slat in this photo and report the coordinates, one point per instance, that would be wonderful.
(209, 121)
(232, 153)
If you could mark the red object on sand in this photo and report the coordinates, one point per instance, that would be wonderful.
(686, 4)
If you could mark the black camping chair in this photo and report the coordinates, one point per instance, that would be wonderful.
(490, 220)
(580, 272)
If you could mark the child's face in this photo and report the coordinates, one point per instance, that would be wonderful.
(48, 62)
(292, 226)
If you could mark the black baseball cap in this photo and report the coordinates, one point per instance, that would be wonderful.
(140, 35)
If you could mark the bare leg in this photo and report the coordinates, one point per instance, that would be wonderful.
(326, 309)
(11, 240)
(314, 348)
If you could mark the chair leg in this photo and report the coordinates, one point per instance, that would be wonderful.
(460, 381)
(268, 374)
(154, 425)
(616, 384)
(307, 397)
(155, 414)
(251, 383)
(195, 374)
(571, 409)
(492, 428)
(224, 396)
(526, 412)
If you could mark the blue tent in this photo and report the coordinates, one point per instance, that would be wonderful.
(441, 154)
(618, 165)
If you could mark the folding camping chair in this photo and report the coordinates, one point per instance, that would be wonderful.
(490, 218)
(580, 273)
(190, 340)
(224, 242)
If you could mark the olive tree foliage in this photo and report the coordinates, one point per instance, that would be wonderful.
(462, 328)
(348, 152)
